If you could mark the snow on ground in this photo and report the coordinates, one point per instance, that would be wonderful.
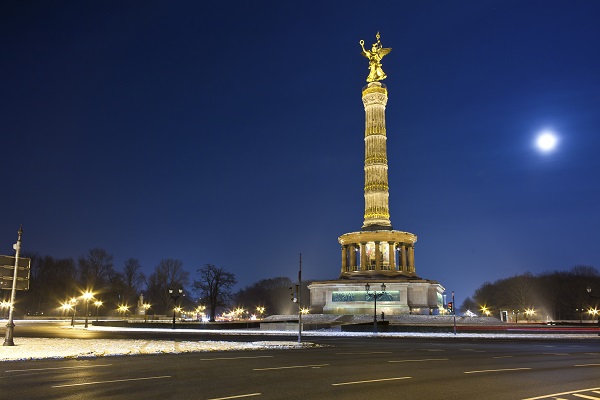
(34, 348)
(40, 348)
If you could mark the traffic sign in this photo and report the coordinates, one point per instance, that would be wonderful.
(7, 272)
(6, 283)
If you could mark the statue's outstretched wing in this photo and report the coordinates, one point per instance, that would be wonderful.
(384, 51)
(365, 54)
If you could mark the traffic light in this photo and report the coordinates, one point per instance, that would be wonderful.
(450, 306)
(293, 295)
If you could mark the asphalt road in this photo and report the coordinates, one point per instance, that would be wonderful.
(344, 368)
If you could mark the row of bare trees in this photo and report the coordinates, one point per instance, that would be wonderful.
(53, 281)
(557, 295)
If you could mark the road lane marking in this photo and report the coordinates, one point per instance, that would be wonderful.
(113, 381)
(503, 357)
(291, 367)
(556, 354)
(496, 370)
(371, 381)
(239, 396)
(58, 368)
(587, 365)
(583, 396)
(368, 352)
(419, 360)
(547, 396)
(233, 358)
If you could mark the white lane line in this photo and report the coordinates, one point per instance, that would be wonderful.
(58, 368)
(496, 370)
(291, 367)
(368, 352)
(371, 381)
(239, 396)
(419, 360)
(555, 354)
(503, 357)
(583, 396)
(113, 381)
(233, 358)
(547, 396)
(587, 365)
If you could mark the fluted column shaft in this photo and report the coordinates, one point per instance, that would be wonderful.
(377, 214)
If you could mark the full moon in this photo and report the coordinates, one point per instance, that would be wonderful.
(546, 141)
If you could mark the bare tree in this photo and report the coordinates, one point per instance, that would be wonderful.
(273, 294)
(133, 277)
(168, 274)
(95, 268)
(215, 286)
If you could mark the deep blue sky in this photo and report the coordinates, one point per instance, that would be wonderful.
(232, 133)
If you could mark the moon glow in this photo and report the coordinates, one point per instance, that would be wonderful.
(546, 141)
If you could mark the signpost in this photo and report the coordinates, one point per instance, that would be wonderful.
(10, 326)
(7, 273)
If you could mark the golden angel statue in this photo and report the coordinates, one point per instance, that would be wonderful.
(375, 55)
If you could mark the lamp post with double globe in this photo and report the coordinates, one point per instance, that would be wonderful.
(87, 296)
(375, 295)
(175, 295)
(97, 303)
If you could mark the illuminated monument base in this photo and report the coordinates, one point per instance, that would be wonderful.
(414, 296)
(377, 257)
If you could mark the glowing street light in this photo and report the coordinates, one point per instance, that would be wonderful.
(529, 313)
(123, 309)
(260, 310)
(304, 310)
(4, 305)
(239, 312)
(485, 311)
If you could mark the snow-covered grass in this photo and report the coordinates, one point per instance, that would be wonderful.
(34, 348)
(40, 348)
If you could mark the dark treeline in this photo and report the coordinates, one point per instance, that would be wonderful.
(54, 281)
(557, 295)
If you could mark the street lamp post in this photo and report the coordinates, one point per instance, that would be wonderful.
(97, 303)
(74, 305)
(375, 296)
(87, 296)
(175, 295)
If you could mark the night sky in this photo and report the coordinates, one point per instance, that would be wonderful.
(232, 133)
